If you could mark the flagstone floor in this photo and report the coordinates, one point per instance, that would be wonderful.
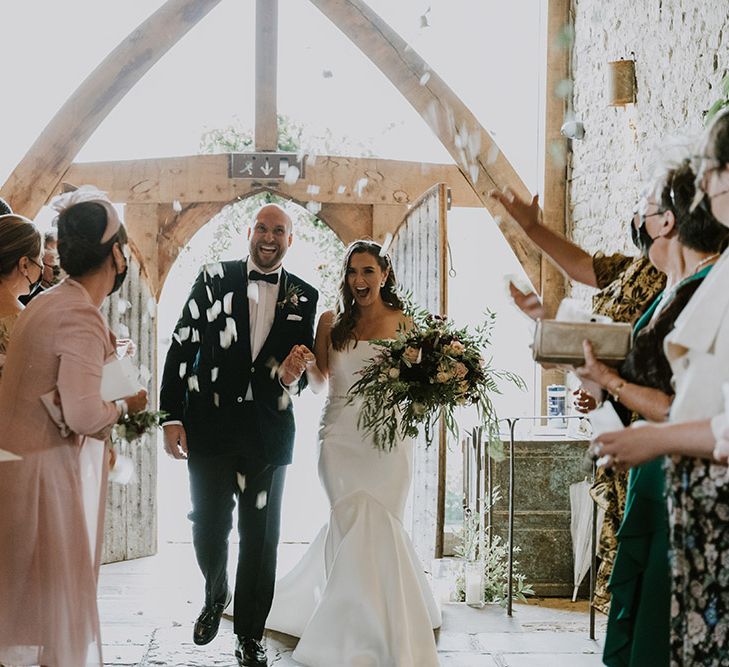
(148, 607)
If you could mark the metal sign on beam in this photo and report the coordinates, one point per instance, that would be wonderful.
(266, 166)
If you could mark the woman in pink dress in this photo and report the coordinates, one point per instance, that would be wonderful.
(48, 564)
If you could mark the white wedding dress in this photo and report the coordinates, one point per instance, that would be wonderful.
(358, 597)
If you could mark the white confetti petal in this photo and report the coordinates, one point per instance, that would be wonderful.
(216, 399)
(253, 292)
(214, 374)
(228, 303)
(123, 306)
(183, 369)
(312, 189)
(313, 207)
(183, 333)
(192, 383)
(291, 175)
(261, 500)
(473, 172)
(214, 310)
(195, 338)
(425, 78)
(386, 244)
(194, 310)
(360, 186)
(241, 482)
(303, 299)
(214, 269)
(493, 154)
(176, 206)
(341, 189)
(123, 330)
(209, 292)
(283, 401)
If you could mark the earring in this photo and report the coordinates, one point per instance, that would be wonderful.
(382, 285)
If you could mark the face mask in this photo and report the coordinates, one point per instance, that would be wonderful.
(33, 285)
(119, 278)
(640, 236)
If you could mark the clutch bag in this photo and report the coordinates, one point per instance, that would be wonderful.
(557, 342)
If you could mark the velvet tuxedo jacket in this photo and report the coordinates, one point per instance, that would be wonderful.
(209, 368)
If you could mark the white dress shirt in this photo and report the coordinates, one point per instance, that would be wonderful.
(262, 298)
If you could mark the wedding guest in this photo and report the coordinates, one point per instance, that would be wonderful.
(50, 408)
(627, 285)
(684, 245)
(698, 486)
(20, 271)
(51, 270)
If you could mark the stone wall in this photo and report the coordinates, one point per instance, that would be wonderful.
(681, 51)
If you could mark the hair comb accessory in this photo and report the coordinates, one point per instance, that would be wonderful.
(89, 194)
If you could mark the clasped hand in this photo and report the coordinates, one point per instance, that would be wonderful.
(294, 365)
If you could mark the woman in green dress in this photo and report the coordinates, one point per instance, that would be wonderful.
(683, 245)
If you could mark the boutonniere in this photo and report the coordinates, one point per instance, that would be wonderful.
(293, 297)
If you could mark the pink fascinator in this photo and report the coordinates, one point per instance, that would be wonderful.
(88, 194)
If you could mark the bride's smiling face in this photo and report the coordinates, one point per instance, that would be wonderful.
(365, 278)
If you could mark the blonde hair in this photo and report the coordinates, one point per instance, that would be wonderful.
(19, 237)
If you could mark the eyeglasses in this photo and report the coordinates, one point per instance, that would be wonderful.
(635, 231)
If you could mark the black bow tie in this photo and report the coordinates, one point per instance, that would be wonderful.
(265, 277)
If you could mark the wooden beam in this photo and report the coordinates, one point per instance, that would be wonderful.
(329, 179)
(386, 220)
(266, 131)
(555, 169)
(554, 201)
(459, 131)
(36, 177)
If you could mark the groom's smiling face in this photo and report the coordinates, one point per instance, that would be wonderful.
(270, 237)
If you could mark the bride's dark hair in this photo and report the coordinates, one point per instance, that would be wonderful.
(346, 313)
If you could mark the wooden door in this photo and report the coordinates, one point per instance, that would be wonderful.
(419, 252)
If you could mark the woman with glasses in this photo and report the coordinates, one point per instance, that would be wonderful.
(20, 271)
(682, 244)
(697, 475)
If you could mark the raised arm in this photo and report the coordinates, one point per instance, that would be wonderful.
(568, 257)
(81, 342)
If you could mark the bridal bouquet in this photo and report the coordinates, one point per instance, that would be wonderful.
(425, 373)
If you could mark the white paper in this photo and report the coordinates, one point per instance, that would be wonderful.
(8, 456)
(119, 379)
(572, 310)
(604, 420)
(123, 470)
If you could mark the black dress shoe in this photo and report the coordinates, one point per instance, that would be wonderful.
(250, 652)
(207, 624)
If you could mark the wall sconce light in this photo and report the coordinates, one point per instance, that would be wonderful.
(621, 83)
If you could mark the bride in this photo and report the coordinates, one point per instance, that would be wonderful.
(358, 597)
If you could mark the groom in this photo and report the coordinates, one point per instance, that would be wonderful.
(225, 386)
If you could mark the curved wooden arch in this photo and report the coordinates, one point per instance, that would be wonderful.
(37, 176)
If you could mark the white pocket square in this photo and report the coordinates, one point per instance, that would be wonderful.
(296, 318)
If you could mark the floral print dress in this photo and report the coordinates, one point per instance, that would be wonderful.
(628, 285)
(698, 517)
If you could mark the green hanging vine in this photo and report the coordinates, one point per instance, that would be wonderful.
(721, 103)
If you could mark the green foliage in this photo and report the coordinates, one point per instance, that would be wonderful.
(426, 373)
(721, 103)
(233, 220)
(495, 560)
(130, 428)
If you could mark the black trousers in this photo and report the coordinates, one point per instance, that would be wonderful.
(215, 486)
